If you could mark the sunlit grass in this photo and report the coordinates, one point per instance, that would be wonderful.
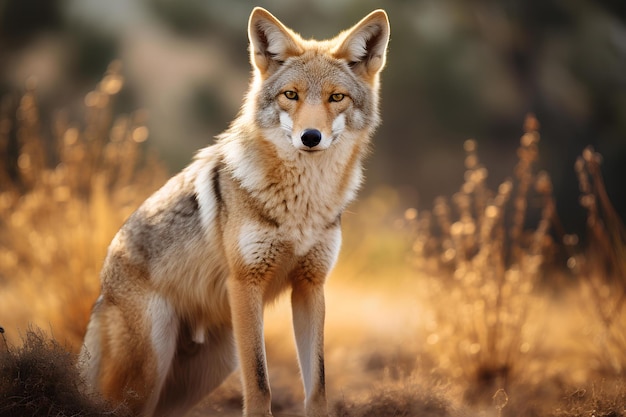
(602, 266)
(61, 202)
(480, 258)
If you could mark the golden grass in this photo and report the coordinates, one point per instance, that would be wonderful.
(486, 263)
(447, 312)
(603, 266)
(62, 198)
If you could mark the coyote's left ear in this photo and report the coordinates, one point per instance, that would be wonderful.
(271, 43)
(364, 46)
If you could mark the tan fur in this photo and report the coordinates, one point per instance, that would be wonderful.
(187, 276)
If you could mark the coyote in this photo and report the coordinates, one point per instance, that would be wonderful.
(187, 276)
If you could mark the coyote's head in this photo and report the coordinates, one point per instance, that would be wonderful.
(308, 95)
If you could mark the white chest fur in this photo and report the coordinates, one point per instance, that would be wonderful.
(303, 193)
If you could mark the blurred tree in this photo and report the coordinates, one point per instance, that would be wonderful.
(21, 20)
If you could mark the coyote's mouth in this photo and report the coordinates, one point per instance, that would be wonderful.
(310, 150)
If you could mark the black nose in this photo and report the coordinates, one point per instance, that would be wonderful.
(311, 137)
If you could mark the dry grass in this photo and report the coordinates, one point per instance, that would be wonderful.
(449, 312)
(603, 266)
(598, 401)
(65, 190)
(40, 378)
(489, 274)
(480, 257)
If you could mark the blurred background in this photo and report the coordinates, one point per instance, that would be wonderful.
(457, 69)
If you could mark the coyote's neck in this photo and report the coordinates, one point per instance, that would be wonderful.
(297, 186)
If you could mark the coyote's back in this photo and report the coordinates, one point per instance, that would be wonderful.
(186, 278)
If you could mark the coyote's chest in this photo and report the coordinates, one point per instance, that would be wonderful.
(295, 202)
(302, 206)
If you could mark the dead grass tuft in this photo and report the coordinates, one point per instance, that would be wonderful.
(404, 401)
(598, 401)
(40, 378)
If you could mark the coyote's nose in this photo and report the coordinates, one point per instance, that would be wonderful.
(311, 137)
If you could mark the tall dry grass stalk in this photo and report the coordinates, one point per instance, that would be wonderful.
(602, 268)
(62, 198)
(484, 263)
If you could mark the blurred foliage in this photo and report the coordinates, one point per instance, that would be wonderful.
(456, 69)
(21, 21)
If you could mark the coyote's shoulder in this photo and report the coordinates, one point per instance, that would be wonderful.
(186, 278)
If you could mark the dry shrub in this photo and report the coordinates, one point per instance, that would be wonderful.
(40, 378)
(483, 264)
(602, 266)
(63, 195)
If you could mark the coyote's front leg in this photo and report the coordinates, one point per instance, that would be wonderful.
(307, 303)
(246, 300)
(308, 307)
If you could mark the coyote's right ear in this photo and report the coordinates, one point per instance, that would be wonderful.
(271, 43)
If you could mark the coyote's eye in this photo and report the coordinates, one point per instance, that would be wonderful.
(291, 95)
(336, 97)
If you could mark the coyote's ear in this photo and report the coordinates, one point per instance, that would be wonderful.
(271, 43)
(364, 46)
